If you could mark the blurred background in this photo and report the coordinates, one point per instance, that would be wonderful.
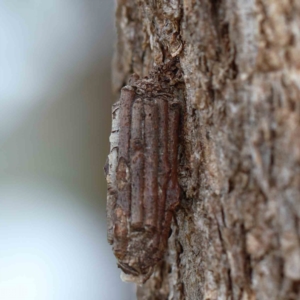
(55, 113)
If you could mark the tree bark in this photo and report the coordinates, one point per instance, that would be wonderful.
(236, 233)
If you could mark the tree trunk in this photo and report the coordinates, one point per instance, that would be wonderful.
(236, 233)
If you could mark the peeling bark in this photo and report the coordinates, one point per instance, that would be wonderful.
(236, 232)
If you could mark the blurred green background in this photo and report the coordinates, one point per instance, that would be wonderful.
(55, 103)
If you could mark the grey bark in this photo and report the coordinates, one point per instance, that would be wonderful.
(236, 232)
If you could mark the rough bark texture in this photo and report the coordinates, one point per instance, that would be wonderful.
(236, 232)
